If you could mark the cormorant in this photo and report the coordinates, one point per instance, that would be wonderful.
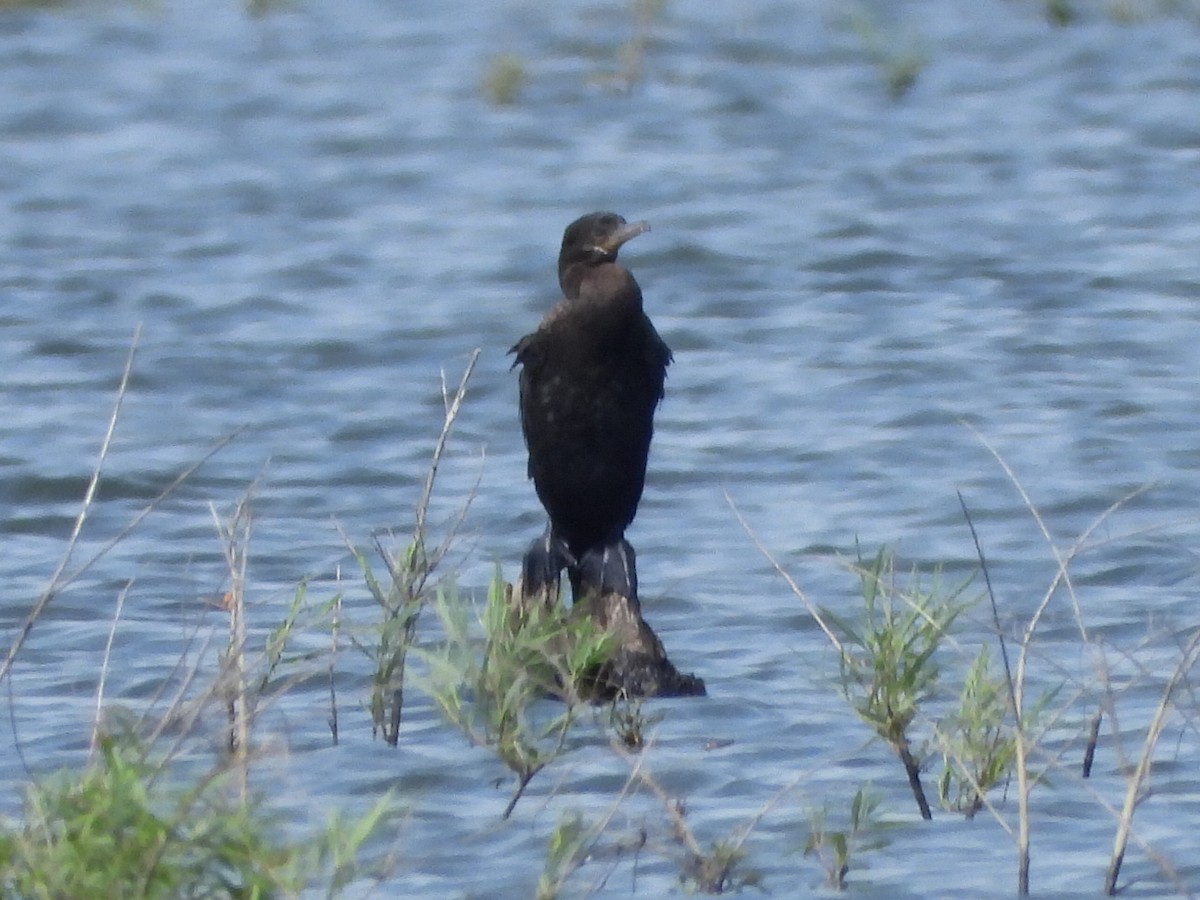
(592, 375)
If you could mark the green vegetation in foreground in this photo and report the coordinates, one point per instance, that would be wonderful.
(978, 741)
(409, 586)
(130, 828)
(400, 599)
(834, 848)
(887, 656)
(488, 690)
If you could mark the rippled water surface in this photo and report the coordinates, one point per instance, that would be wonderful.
(314, 214)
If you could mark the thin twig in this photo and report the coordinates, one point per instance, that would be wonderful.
(987, 580)
(1062, 576)
(94, 482)
(1142, 772)
(180, 714)
(89, 495)
(61, 582)
(1089, 750)
(523, 779)
(808, 604)
(333, 649)
(440, 447)
(1017, 679)
(112, 631)
(235, 538)
(452, 531)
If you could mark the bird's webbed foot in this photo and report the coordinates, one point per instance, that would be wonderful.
(542, 566)
(608, 569)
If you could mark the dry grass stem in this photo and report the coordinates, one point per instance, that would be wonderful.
(1017, 678)
(60, 581)
(808, 604)
(181, 715)
(112, 631)
(452, 406)
(333, 649)
(89, 495)
(1141, 774)
(235, 540)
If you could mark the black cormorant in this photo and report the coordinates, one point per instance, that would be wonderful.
(592, 375)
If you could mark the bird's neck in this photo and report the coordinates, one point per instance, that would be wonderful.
(606, 284)
(571, 277)
(604, 305)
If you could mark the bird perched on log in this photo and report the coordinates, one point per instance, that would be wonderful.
(591, 377)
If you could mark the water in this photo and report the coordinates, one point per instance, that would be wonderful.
(313, 215)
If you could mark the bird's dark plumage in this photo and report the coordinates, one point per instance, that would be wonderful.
(592, 375)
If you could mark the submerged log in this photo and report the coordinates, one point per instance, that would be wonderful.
(638, 665)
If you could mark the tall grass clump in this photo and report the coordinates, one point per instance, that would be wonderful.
(1025, 710)
(886, 655)
(998, 735)
(977, 741)
(490, 685)
(400, 597)
(131, 827)
(406, 589)
(142, 817)
(835, 849)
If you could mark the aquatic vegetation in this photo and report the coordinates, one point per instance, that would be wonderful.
(977, 743)
(138, 820)
(886, 656)
(507, 74)
(489, 690)
(888, 674)
(977, 746)
(1026, 740)
(717, 871)
(1060, 12)
(898, 57)
(504, 79)
(836, 849)
(163, 805)
(405, 592)
(565, 853)
(128, 826)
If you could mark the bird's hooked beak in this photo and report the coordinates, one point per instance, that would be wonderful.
(626, 232)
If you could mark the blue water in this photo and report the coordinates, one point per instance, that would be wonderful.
(316, 215)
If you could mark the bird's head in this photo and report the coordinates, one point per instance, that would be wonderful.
(594, 239)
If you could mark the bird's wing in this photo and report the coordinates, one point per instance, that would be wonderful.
(520, 350)
(528, 353)
(658, 354)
